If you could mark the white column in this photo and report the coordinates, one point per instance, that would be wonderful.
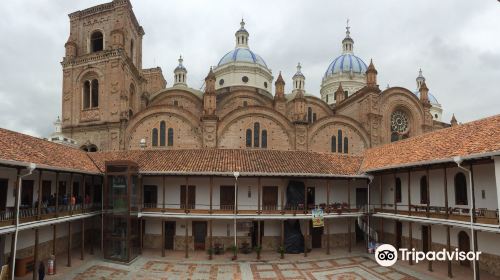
(497, 179)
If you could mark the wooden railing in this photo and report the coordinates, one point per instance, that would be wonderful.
(482, 215)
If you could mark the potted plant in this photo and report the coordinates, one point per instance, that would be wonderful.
(235, 252)
(258, 249)
(218, 249)
(281, 250)
(210, 252)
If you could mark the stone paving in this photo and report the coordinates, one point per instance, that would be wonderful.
(352, 267)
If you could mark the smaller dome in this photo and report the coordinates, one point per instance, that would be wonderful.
(346, 63)
(432, 98)
(242, 55)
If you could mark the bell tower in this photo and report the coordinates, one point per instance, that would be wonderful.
(102, 74)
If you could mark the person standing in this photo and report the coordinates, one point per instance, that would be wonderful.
(41, 271)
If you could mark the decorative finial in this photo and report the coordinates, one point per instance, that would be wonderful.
(347, 27)
(242, 23)
(180, 60)
(299, 67)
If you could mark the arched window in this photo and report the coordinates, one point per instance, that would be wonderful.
(256, 134)
(162, 133)
(423, 190)
(92, 148)
(154, 137)
(398, 190)
(309, 115)
(346, 145)
(460, 189)
(96, 41)
(95, 93)
(249, 138)
(314, 117)
(334, 144)
(264, 138)
(86, 95)
(339, 145)
(84, 148)
(170, 137)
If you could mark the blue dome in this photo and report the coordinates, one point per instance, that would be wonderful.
(242, 55)
(432, 98)
(346, 63)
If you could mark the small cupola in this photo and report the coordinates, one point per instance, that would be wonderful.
(242, 36)
(180, 74)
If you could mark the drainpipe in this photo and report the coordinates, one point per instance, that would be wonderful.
(458, 160)
(236, 175)
(31, 168)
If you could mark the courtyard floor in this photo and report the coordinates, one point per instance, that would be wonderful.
(339, 265)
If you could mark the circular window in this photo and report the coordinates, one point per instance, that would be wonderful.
(221, 82)
(399, 122)
(265, 84)
(244, 79)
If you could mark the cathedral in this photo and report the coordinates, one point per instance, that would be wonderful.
(109, 102)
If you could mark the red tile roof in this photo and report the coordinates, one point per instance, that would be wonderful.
(465, 140)
(23, 148)
(227, 161)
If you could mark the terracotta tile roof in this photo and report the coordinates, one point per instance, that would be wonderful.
(20, 147)
(477, 137)
(227, 161)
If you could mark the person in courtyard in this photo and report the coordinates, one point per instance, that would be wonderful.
(41, 271)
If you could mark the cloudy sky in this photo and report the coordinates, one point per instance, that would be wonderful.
(456, 43)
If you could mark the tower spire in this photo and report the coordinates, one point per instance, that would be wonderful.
(180, 73)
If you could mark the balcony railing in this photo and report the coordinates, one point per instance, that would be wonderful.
(247, 208)
(8, 216)
(483, 215)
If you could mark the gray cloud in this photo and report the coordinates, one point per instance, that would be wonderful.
(455, 42)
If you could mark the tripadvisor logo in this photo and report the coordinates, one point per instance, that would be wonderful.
(387, 255)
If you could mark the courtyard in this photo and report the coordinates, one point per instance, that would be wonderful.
(339, 265)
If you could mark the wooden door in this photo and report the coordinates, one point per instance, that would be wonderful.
(316, 235)
(226, 197)
(199, 234)
(3, 193)
(191, 197)
(269, 198)
(46, 190)
(399, 233)
(464, 246)
(169, 235)
(255, 230)
(27, 193)
(425, 238)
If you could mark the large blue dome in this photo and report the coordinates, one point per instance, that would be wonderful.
(242, 55)
(346, 63)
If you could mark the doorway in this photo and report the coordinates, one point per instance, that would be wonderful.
(27, 193)
(3, 194)
(169, 235)
(399, 233)
(255, 234)
(199, 234)
(226, 197)
(425, 239)
(46, 190)
(191, 197)
(311, 197)
(361, 197)
(269, 198)
(464, 246)
(316, 236)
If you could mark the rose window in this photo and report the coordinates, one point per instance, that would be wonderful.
(399, 122)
